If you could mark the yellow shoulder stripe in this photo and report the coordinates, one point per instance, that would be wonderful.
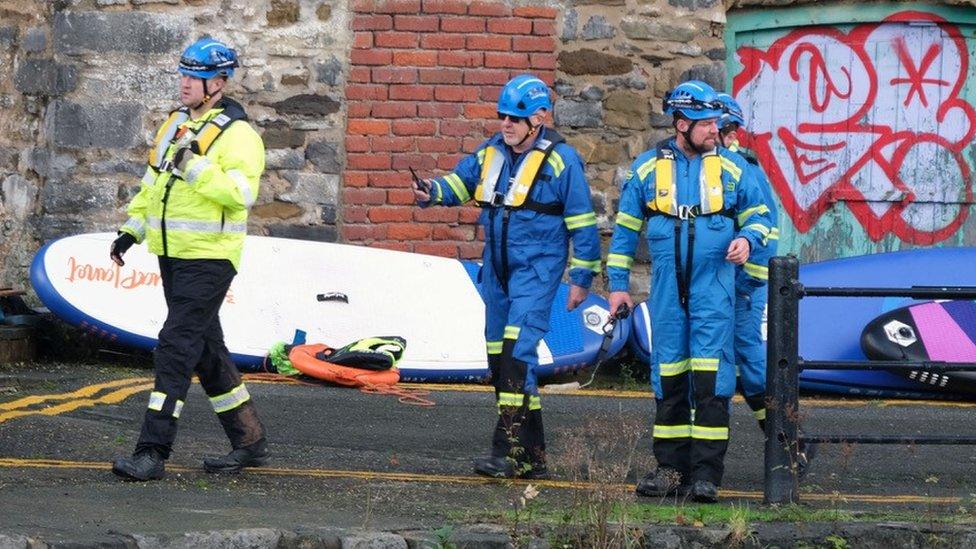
(556, 162)
(646, 168)
(729, 166)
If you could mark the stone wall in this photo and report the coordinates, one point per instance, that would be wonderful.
(341, 92)
(617, 59)
(85, 83)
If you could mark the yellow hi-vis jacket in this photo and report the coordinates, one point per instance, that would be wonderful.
(200, 213)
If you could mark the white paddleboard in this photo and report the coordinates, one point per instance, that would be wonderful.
(428, 300)
(296, 290)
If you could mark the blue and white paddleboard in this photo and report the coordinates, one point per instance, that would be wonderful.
(432, 302)
(830, 328)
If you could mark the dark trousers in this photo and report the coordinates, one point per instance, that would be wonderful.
(696, 454)
(192, 341)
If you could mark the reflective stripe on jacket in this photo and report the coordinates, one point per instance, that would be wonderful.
(205, 211)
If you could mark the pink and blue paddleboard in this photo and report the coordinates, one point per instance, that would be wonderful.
(933, 331)
(830, 327)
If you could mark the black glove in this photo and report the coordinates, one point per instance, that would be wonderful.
(121, 245)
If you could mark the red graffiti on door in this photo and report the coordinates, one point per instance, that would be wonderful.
(872, 117)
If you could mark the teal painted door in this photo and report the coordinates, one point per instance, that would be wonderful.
(866, 130)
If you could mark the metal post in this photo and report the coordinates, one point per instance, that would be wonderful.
(782, 381)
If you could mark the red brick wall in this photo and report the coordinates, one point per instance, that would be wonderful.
(423, 82)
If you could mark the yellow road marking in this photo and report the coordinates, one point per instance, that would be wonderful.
(86, 391)
(81, 397)
(111, 398)
(808, 401)
(472, 480)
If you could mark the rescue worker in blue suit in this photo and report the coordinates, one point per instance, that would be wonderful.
(704, 214)
(751, 287)
(751, 278)
(535, 199)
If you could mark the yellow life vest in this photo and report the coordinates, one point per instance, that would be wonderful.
(520, 186)
(711, 196)
(170, 133)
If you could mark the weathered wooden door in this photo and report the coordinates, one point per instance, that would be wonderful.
(865, 129)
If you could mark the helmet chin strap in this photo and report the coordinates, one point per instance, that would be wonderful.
(532, 130)
(206, 95)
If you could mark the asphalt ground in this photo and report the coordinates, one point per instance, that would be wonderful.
(345, 458)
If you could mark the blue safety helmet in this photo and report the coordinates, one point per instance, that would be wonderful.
(523, 96)
(207, 58)
(733, 112)
(695, 100)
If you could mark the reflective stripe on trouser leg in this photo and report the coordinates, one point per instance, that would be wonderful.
(194, 291)
(159, 402)
(228, 395)
(710, 431)
(230, 400)
(757, 403)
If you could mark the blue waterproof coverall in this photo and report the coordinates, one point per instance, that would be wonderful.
(692, 366)
(524, 259)
(751, 294)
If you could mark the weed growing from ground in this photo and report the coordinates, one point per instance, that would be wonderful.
(601, 453)
(740, 530)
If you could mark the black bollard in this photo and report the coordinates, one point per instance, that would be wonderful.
(782, 381)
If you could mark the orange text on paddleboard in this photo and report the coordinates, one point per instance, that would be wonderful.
(131, 279)
(86, 272)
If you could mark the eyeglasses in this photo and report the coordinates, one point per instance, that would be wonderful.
(514, 119)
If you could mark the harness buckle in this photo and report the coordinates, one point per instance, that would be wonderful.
(687, 212)
(166, 166)
(497, 199)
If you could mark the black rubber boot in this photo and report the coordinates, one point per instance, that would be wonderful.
(142, 466)
(703, 491)
(254, 455)
(662, 482)
(494, 467)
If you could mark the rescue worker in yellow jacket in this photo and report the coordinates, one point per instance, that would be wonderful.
(191, 210)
